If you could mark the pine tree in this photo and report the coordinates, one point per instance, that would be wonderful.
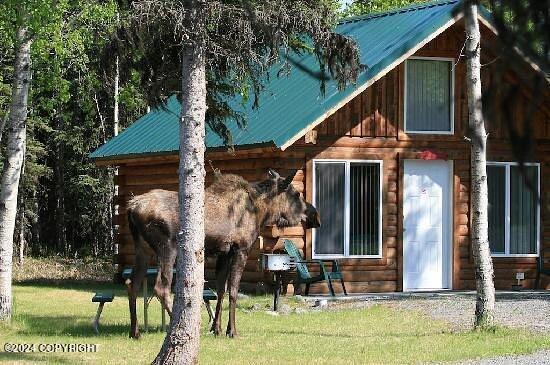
(230, 45)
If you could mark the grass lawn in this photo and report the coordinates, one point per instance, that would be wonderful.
(63, 314)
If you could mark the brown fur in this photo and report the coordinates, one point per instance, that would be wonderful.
(235, 211)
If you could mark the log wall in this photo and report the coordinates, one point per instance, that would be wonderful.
(371, 127)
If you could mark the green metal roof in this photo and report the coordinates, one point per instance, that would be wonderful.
(290, 104)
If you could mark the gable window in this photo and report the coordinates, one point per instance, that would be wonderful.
(348, 196)
(429, 96)
(513, 209)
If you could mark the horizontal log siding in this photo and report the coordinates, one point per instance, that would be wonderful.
(137, 179)
(371, 127)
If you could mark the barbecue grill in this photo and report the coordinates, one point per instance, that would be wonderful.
(277, 264)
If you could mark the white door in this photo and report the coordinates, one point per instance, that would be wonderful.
(426, 225)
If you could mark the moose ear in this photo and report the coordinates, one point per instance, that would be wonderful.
(286, 182)
(272, 174)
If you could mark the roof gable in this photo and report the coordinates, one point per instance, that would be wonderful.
(292, 105)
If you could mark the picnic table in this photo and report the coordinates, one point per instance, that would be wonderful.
(152, 272)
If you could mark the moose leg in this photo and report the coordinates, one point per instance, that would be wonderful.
(222, 272)
(134, 285)
(163, 284)
(237, 267)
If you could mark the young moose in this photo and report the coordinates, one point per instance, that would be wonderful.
(235, 212)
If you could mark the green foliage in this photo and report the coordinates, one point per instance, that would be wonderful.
(363, 7)
(70, 114)
(526, 25)
(240, 40)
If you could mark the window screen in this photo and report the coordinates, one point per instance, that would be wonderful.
(513, 209)
(523, 210)
(364, 209)
(330, 200)
(348, 228)
(428, 96)
(496, 181)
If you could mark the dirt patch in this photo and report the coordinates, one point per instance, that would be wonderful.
(61, 269)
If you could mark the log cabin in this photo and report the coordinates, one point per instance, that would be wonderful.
(385, 161)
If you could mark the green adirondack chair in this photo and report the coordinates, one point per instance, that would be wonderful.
(303, 275)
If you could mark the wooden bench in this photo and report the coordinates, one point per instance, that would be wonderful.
(207, 295)
(100, 298)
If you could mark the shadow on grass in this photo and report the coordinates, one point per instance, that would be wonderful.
(77, 326)
(74, 326)
(90, 286)
(351, 336)
(33, 357)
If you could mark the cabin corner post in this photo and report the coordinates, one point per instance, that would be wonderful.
(400, 215)
(309, 197)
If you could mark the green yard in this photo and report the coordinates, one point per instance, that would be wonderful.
(63, 314)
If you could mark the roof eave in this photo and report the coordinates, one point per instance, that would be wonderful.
(372, 80)
(117, 160)
(489, 25)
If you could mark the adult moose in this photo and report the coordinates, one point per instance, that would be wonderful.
(235, 212)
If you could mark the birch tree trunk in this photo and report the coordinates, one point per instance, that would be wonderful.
(22, 215)
(116, 92)
(181, 345)
(485, 304)
(12, 168)
(114, 191)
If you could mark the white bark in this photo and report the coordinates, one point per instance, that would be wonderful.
(485, 304)
(114, 210)
(12, 169)
(115, 111)
(181, 345)
(22, 216)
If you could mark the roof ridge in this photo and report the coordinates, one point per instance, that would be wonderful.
(406, 9)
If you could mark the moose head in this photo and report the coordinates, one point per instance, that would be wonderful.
(286, 205)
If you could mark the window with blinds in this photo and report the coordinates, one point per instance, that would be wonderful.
(348, 196)
(513, 209)
(429, 96)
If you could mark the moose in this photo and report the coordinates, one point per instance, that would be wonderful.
(235, 212)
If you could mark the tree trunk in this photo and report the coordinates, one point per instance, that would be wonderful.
(12, 168)
(485, 304)
(22, 224)
(114, 191)
(115, 111)
(22, 215)
(35, 246)
(181, 345)
(59, 167)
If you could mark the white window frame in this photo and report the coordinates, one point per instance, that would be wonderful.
(507, 210)
(347, 163)
(452, 111)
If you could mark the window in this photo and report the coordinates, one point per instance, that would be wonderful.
(429, 96)
(348, 195)
(513, 209)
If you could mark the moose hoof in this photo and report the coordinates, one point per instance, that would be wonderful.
(231, 333)
(216, 330)
(135, 335)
